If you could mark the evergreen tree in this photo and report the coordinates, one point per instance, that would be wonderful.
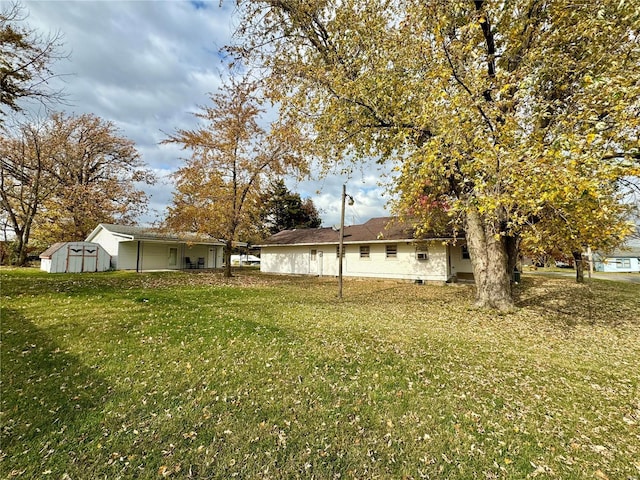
(285, 210)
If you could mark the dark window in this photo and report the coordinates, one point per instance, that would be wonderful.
(465, 252)
(392, 251)
(365, 251)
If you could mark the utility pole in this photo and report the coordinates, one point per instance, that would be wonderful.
(341, 240)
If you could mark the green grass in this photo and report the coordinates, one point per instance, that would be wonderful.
(186, 375)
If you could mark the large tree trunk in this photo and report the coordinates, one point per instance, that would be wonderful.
(577, 261)
(227, 259)
(513, 249)
(490, 260)
(21, 247)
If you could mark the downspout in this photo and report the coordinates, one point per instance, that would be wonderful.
(138, 258)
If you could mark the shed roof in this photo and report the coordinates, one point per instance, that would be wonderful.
(134, 232)
(48, 253)
(52, 249)
(379, 229)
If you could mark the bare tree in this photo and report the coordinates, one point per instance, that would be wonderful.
(26, 57)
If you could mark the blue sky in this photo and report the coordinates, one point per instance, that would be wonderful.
(147, 66)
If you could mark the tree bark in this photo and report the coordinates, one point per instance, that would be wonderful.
(577, 261)
(490, 260)
(513, 248)
(227, 259)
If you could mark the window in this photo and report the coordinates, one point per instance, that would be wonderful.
(391, 251)
(422, 252)
(365, 251)
(623, 263)
(314, 254)
(465, 252)
(344, 248)
(173, 256)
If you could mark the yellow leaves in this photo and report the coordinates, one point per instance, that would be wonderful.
(166, 471)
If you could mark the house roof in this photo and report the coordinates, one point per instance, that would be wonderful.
(630, 251)
(134, 233)
(380, 229)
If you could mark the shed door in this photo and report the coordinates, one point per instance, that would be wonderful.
(90, 255)
(82, 258)
(75, 254)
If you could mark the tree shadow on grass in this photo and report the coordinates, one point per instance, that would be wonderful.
(50, 400)
(578, 304)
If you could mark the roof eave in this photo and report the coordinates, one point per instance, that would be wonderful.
(356, 242)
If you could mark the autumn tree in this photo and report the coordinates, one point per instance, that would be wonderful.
(26, 60)
(285, 210)
(62, 176)
(484, 108)
(98, 174)
(25, 183)
(218, 190)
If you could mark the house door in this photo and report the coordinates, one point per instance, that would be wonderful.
(319, 263)
(173, 257)
(211, 261)
(313, 261)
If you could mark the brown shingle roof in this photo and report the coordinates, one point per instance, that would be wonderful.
(376, 229)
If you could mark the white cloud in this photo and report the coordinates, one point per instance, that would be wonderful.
(147, 66)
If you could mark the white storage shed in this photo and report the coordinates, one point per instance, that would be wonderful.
(75, 257)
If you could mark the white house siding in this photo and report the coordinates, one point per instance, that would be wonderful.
(404, 266)
(127, 257)
(287, 260)
(110, 243)
(155, 256)
(297, 260)
(458, 263)
(620, 265)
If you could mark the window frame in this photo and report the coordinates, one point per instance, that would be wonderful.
(422, 253)
(391, 251)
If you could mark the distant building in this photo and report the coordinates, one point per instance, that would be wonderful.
(620, 260)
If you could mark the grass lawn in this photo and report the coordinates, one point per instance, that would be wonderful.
(186, 375)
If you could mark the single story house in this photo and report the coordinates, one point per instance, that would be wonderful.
(75, 257)
(620, 260)
(144, 248)
(379, 248)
